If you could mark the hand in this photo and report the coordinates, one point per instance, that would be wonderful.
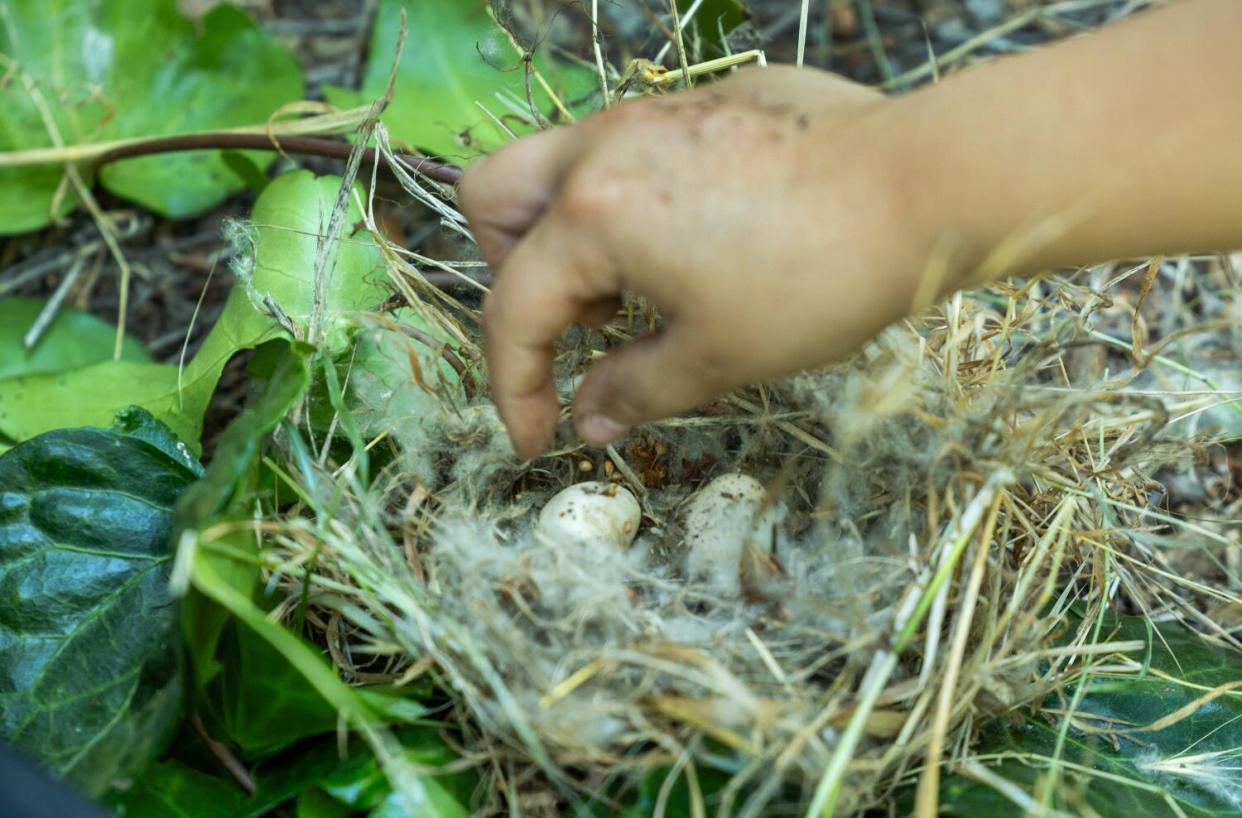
(755, 212)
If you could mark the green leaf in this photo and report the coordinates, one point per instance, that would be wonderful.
(455, 59)
(1188, 768)
(712, 23)
(225, 493)
(73, 339)
(679, 805)
(288, 217)
(88, 648)
(318, 804)
(266, 705)
(174, 789)
(105, 70)
(246, 169)
(365, 786)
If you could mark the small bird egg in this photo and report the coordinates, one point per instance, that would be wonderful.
(719, 520)
(591, 512)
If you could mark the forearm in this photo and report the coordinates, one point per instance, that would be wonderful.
(1122, 144)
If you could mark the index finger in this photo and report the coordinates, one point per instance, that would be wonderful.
(542, 289)
(505, 194)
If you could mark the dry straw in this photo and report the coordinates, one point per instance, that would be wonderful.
(964, 498)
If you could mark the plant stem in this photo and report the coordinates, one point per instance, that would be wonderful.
(305, 145)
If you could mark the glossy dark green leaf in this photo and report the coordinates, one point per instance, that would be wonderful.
(108, 69)
(1189, 768)
(456, 59)
(88, 639)
(73, 339)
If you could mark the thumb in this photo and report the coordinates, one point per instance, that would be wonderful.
(652, 377)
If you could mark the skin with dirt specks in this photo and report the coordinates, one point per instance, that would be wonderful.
(781, 218)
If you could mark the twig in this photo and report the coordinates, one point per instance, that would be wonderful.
(681, 25)
(333, 124)
(43, 262)
(223, 755)
(106, 229)
(303, 145)
(52, 308)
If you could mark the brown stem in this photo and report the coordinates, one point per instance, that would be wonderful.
(305, 145)
(223, 755)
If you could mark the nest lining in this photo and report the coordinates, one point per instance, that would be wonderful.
(596, 666)
(952, 492)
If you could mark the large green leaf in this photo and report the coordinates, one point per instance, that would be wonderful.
(456, 59)
(73, 339)
(290, 215)
(88, 638)
(110, 69)
(1189, 768)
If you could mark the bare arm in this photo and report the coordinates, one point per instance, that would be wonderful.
(1121, 144)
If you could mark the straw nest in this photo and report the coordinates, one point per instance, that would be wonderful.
(946, 498)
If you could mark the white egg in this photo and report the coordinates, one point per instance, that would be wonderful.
(591, 512)
(719, 520)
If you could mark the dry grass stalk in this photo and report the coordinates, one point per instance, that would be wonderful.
(952, 492)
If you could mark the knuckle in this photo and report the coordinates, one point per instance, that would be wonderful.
(594, 194)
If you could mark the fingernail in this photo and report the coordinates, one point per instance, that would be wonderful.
(599, 430)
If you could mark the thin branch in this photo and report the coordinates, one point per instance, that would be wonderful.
(234, 767)
(304, 145)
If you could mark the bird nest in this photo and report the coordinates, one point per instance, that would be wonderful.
(933, 510)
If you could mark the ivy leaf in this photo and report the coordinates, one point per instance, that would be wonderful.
(73, 339)
(1188, 768)
(105, 70)
(288, 218)
(88, 640)
(456, 59)
(365, 786)
(266, 705)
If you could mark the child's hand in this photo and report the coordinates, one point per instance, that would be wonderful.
(780, 218)
(753, 212)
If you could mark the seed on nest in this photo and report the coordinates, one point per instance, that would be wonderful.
(591, 512)
(721, 520)
(585, 466)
